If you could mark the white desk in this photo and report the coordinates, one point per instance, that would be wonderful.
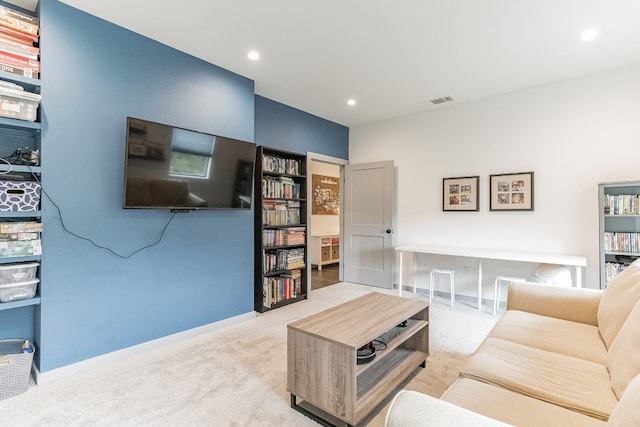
(579, 262)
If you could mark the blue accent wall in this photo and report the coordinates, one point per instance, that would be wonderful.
(286, 128)
(94, 75)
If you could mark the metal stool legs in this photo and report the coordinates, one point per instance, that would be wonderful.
(435, 271)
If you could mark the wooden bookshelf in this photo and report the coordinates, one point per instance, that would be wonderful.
(280, 229)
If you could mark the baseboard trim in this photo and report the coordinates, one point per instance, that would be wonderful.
(447, 295)
(104, 359)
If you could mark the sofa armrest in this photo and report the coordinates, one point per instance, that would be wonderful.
(414, 409)
(574, 304)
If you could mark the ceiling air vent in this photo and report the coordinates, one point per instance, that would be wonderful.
(439, 101)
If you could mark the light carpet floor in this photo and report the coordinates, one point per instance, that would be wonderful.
(235, 376)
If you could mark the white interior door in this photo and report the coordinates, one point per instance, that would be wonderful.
(368, 224)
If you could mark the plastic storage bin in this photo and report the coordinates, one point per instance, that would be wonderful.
(15, 367)
(18, 104)
(13, 273)
(17, 291)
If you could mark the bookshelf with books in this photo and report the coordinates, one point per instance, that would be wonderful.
(280, 229)
(619, 205)
(19, 51)
(20, 141)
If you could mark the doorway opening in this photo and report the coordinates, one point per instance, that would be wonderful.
(325, 178)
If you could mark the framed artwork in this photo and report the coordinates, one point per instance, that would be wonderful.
(511, 192)
(460, 194)
(326, 195)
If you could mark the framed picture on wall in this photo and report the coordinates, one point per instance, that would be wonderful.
(326, 195)
(511, 192)
(460, 194)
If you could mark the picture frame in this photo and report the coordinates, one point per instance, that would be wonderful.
(511, 192)
(461, 194)
(326, 195)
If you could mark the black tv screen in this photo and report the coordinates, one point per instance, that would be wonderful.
(168, 167)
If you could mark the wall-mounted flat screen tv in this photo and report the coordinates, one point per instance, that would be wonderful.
(168, 167)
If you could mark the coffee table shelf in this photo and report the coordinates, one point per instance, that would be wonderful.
(321, 349)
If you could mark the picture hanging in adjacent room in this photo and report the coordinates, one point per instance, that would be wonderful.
(326, 195)
(511, 192)
(460, 194)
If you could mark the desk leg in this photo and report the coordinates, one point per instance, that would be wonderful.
(578, 276)
(400, 273)
(479, 284)
(413, 272)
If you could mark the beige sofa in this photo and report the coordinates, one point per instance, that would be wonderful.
(557, 357)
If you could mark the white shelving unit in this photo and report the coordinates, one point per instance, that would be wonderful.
(325, 249)
(619, 232)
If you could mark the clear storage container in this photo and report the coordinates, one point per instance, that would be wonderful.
(22, 272)
(17, 291)
(17, 104)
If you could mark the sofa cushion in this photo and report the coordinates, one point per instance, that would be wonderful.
(627, 411)
(568, 381)
(617, 301)
(411, 409)
(552, 334)
(624, 355)
(574, 304)
(513, 408)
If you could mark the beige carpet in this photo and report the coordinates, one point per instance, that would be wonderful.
(234, 376)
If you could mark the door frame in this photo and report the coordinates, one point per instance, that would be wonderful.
(316, 157)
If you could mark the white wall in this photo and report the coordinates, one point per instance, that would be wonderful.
(573, 134)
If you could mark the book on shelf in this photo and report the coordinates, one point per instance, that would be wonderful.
(622, 204)
(283, 259)
(10, 237)
(287, 236)
(20, 226)
(20, 71)
(612, 269)
(30, 19)
(19, 248)
(16, 51)
(8, 58)
(276, 164)
(283, 287)
(292, 258)
(8, 40)
(280, 188)
(280, 212)
(18, 35)
(19, 21)
(295, 236)
(627, 242)
(17, 38)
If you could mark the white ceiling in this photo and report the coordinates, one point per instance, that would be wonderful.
(391, 56)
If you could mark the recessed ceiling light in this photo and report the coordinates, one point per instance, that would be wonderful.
(351, 102)
(588, 35)
(253, 55)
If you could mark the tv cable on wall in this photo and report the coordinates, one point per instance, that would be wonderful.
(29, 157)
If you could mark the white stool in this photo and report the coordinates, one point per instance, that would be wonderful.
(435, 271)
(496, 291)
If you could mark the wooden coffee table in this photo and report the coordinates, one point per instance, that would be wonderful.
(321, 355)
